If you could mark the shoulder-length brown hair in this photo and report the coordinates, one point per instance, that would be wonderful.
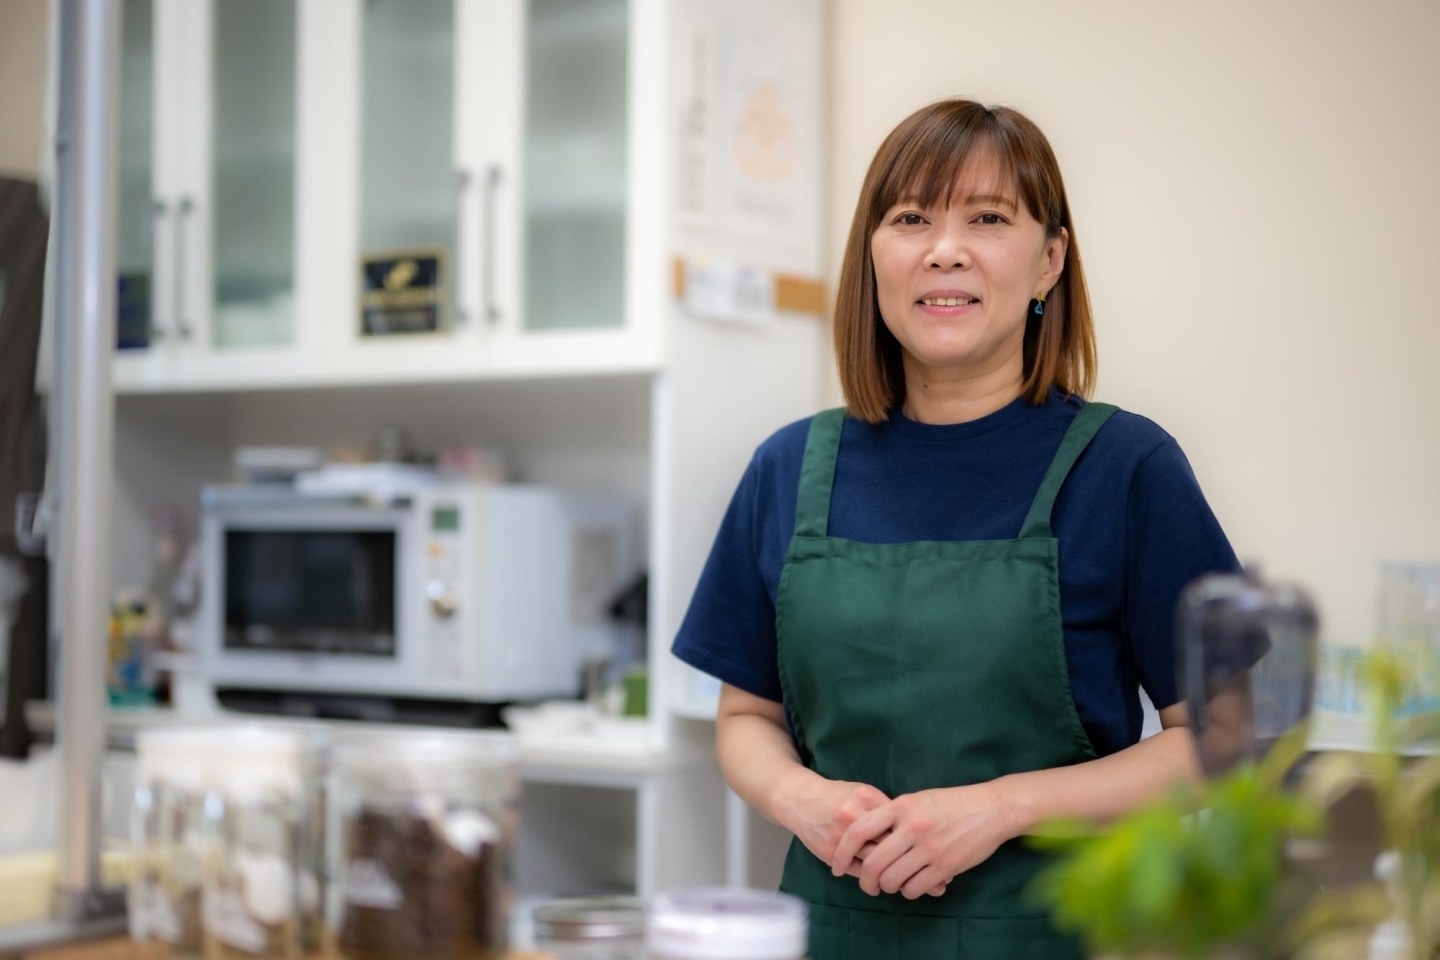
(921, 159)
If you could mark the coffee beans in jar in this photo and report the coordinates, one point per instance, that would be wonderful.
(427, 828)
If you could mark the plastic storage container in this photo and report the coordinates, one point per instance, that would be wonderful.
(262, 888)
(169, 835)
(727, 925)
(427, 827)
(591, 928)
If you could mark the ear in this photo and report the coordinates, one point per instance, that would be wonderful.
(1055, 249)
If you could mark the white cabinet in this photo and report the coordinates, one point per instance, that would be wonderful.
(212, 203)
(516, 150)
(498, 137)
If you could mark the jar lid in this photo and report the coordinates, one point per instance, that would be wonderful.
(383, 749)
(591, 918)
(177, 755)
(728, 925)
(252, 759)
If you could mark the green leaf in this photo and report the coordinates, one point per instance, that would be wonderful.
(1332, 775)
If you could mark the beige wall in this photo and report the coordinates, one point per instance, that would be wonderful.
(1256, 194)
(24, 51)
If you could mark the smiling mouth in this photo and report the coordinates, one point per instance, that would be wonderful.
(946, 301)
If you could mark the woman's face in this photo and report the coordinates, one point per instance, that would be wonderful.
(955, 282)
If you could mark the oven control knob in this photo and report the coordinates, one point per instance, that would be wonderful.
(442, 601)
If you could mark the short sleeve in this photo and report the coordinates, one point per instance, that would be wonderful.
(729, 630)
(1171, 538)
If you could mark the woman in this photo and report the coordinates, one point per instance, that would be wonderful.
(932, 611)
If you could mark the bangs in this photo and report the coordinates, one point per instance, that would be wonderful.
(971, 155)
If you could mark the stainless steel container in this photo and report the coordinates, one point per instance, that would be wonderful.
(592, 928)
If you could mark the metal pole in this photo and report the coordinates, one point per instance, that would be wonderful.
(85, 291)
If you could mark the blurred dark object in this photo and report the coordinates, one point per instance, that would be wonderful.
(24, 231)
(632, 605)
(1248, 652)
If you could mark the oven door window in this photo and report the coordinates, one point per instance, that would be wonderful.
(310, 591)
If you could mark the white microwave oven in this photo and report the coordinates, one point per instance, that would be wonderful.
(455, 591)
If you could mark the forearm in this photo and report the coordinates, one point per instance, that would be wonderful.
(1105, 788)
(759, 761)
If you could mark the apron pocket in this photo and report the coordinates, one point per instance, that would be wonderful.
(829, 932)
(1031, 938)
(840, 934)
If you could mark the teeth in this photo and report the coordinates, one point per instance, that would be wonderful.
(946, 301)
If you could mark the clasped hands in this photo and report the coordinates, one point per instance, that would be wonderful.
(913, 845)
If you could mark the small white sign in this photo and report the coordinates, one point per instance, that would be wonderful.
(729, 292)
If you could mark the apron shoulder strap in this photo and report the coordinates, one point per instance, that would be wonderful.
(1082, 430)
(817, 473)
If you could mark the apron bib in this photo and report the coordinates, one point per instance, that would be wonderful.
(914, 666)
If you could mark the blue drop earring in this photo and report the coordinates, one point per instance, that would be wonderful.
(1037, 307)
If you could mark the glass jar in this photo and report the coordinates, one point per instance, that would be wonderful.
(262, 785)
(591, 928)
(1409, 624)
(727, 925)
(169, 838)
(427, 827)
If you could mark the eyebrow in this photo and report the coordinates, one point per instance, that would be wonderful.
(992, 199)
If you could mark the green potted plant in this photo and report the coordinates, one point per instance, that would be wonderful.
(1163, 883)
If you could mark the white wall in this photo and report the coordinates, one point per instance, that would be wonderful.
(1255, 193)
(24, 54)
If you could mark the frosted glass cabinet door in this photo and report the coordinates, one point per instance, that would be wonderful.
(575, 136)
(137, 207)
(408, 184)
(253, 133)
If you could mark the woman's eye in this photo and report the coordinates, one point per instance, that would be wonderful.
(990, 219)
(910, 219)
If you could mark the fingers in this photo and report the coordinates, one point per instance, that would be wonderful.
(895, 876)
(927, 881)
(939, 890)
(890, 850)
(867, 828)
(854, 869)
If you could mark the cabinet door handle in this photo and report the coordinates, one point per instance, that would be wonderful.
(462, 187)
(493, 177)
(161, 210)
(182, 326)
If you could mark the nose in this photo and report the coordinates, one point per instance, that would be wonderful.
(950, 250)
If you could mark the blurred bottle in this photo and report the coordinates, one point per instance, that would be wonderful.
(135, 628)
(1248, 652)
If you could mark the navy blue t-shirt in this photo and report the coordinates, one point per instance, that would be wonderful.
(1132, 524)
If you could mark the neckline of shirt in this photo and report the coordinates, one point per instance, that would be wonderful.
(1007, 416)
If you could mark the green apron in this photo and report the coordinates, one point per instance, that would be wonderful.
(913, 666)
